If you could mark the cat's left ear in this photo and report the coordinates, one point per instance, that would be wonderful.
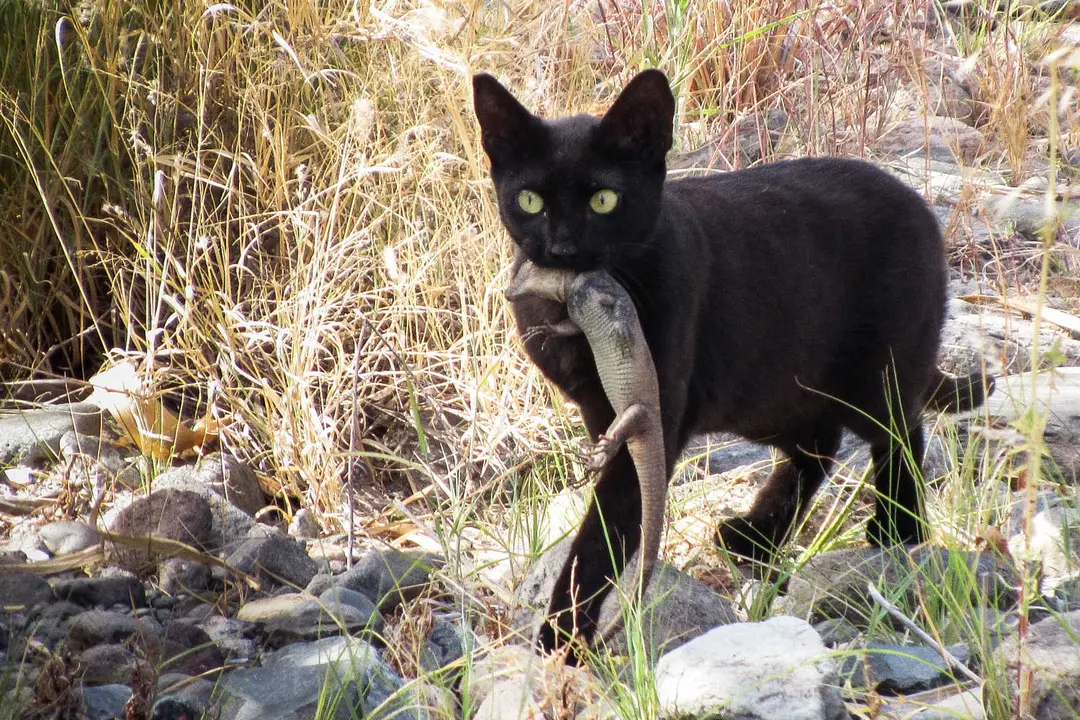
(506, 127)
(638, 125)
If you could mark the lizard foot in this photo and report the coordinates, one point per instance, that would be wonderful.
(601, 453)
(740, 536)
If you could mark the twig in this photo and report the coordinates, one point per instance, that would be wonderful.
(951, 660)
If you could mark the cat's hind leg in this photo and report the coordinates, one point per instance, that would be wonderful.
(898, 512)
(785, 497)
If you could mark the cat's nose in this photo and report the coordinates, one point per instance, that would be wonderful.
(563, 249)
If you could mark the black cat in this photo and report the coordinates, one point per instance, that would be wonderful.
(782, 303)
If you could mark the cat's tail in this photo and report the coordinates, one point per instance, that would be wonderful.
(960, 394)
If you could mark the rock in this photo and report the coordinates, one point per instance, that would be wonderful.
(358, 600)
(230, 526)
(390, 577)
(304, 525)
(111, 663)
(177, 576)
(24, 589)
(181, 697)
(1054, 542)
(677, 607)
(445, 644)
(105, 702)
(33, 437)
(1051, 653)
(343, 672)
(833, 584)
(774, 669)
(946, 138)
(98, 627)
(513, 683)
(947, 703)
(119, 588)
(298, 616)
(94, 459)
(900, 668)
(836, 632)
(188, 649)
(68, 536)
(225, 475)
(179, 515)
(275, 560)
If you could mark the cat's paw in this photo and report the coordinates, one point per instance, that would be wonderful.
(740, 536)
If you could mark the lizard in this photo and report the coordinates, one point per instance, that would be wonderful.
(600, 308)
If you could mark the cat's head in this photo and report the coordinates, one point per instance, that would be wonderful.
(580, 192)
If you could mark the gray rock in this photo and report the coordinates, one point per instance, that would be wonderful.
(298, 616)
(901, 668)
(178, 576)
(358, 600)
(947, 139)
(102, 591)
(836, 631)
(445, 644)
(320, 583)
(344, 673)
(1051, 653)
(304, 525)
(187, 648)
(390, 577)
(33, 437)
(24, 589)
(111, 663)
(276, 560)
(97, 627)
(179, 515)
(92, 459)
(1054, 541)
(775, 669)
(222, 473)
(105, 702)
(676, 606)
(833, 584)
(234, 637)
(68, 536)
(230, 526)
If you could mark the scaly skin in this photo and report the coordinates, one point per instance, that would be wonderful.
(600, 308)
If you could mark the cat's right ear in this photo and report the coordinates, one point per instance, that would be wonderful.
(506, 127)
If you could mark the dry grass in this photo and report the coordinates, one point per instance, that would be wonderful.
(280, 211)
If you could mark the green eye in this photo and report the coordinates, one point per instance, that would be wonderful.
(530, 202)
(603, 201)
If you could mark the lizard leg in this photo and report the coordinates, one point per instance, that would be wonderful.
(632, 421)
(566, 328)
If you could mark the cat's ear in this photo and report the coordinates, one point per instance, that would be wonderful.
(638, 125)
(506, 127)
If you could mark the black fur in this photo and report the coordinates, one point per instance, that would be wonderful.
(782, 303)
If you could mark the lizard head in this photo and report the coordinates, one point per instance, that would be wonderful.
(531, 279)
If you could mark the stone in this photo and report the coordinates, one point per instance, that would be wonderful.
(901, 668)
(947, 703)
(188, 649)
(676, 606)
(834, 584)
(1053, 541)
(105, 702)
(97, 627)
(179, 515)
(222, 473)
(275, 560)
(390, 577)
(304, 525)
(1051, 653)
(358, 600)
(68, 536)
(177, 576)
(298, 616)
(945, 137)
(121, 588)
(836, 631)
(24, 590)
(234, 637)
(341, 673)
(774, 669)
(230, 526)
(112, 663)
(33, 437)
